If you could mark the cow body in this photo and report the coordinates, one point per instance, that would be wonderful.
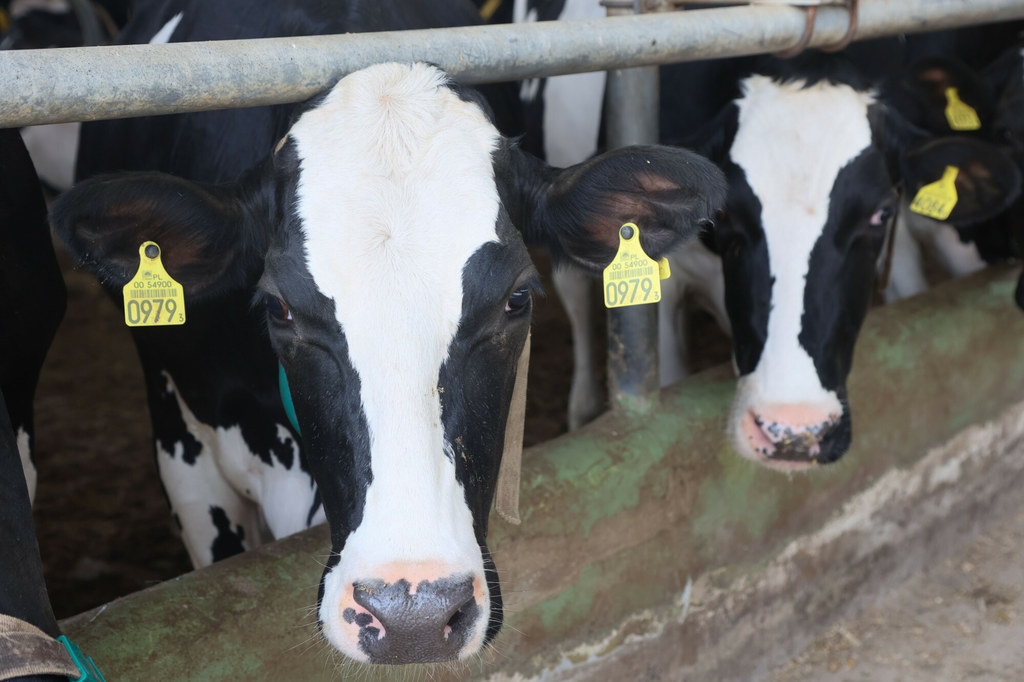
(31, 305)
(34, 296)
(384, 242)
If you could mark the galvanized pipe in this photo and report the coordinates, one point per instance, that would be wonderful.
(631, 117)
(79, 84)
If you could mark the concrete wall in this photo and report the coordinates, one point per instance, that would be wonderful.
(648, 550)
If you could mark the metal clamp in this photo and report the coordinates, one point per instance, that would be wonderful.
(811, 14)
(637, 6)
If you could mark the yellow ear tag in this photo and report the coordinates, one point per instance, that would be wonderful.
(152, 298)
(937, 199)
(960, 114)
(632, 278)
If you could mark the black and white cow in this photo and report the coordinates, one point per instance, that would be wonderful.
(31, 306)
(384, 242)
(229, 458)
(34, 296)
(813, 158)
(791, 398)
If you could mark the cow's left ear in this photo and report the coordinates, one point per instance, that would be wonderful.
(987, 180)
(201, 230)
(576, 212)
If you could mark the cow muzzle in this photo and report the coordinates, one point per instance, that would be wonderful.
(416, 613)
(792, 436)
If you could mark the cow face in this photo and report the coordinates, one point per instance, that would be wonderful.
(810, 200)
(385, 238)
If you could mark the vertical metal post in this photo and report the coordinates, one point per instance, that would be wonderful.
(631, 117)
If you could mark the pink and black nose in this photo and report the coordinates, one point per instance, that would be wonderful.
(796, 436)
(425, 623)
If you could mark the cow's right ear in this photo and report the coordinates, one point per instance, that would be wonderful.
(987, 180)
(576, 212)
(201, 230)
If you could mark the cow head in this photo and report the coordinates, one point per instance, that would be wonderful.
(813, 165)
(810, 200)
(988, 152)
(386, 238)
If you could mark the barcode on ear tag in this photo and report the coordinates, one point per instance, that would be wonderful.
(632, 278)
(959, 114)
(152, 298)
(937, 199)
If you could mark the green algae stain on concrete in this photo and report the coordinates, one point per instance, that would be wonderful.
(742, 493)
(894, 353)
(571, 606)
(999, 294)
(607, 468)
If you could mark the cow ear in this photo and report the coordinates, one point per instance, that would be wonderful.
(576, 212)
(922, 94)
(987, 179)
(200, 230)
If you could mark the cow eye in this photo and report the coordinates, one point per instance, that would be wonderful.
(882, 216)
(519, 299)
(277, 309)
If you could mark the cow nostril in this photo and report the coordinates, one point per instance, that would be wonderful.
(429, 623)
(461, 621)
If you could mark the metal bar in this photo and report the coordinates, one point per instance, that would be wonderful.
(619, 516)
(79, 84)
(631, 117)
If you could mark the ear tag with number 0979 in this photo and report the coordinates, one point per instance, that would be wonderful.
(959, 114)
(937, 199)
(152, 298)
(633, 277)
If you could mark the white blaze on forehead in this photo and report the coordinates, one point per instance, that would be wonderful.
(396, 193)
(791, 143)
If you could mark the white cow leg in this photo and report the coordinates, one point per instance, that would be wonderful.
(586, 397)
(907, 275)
(286, 496)
(672, 350)
(208, 509)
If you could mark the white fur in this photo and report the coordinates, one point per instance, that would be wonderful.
(528, 88)
(906, 277)
(164, 34)
(396, 193)
(572, 103)
(791, 143)
(942, 242)
(20, 8)
(31, 475)
(696, 269)
(53, 149)
(227, 474)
